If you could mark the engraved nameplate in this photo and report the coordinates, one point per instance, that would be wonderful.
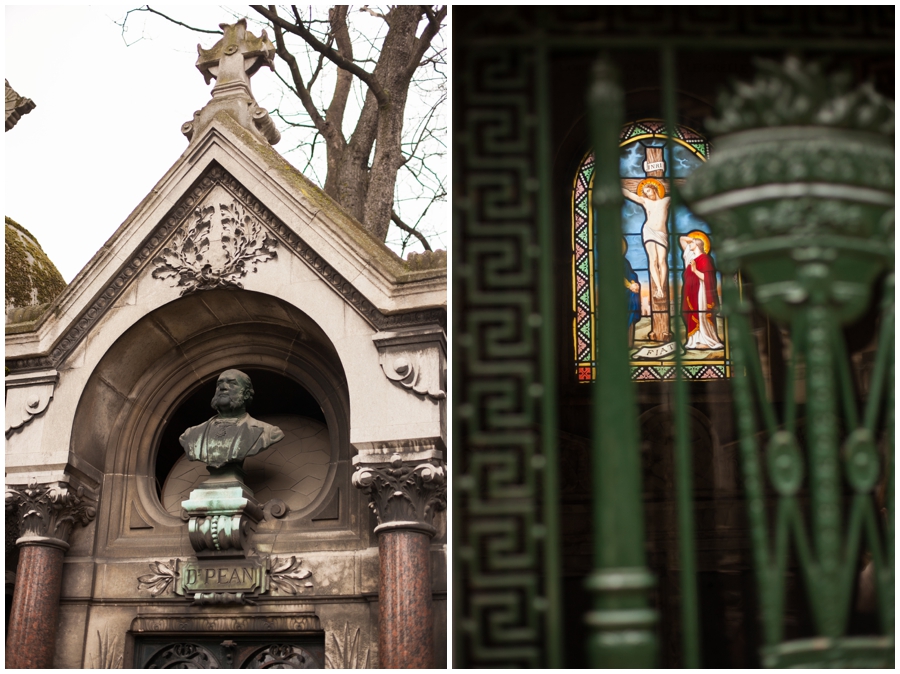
(246, 576)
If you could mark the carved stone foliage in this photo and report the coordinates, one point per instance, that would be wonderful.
(242, 238)
(109, 652)
(287, 577)
(348, 652)
(404, 494)
(163, 576)
(51, 510)
(226, 581)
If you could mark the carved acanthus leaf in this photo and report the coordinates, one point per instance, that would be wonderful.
(404, 492)
(286, 575)
(244, 242)
(164, 574)
(51, 510)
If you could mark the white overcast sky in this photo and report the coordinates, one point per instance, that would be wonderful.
(107, 125)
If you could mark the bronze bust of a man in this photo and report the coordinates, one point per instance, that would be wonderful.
(232, 435)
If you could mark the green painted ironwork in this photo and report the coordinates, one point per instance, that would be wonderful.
(622, 623)
(800, 196)
(690, 620)
(811, 498)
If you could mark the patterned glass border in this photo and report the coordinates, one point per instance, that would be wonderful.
(683, 240)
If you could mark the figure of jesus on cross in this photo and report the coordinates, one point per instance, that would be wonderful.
(655, 233)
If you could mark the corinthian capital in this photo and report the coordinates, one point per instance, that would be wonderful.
(47, 513)
(404, 492)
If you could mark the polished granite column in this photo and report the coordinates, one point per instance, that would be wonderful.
(405, 492)
(46, 515)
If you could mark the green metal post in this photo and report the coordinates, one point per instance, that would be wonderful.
(690, 623)
(622, 623)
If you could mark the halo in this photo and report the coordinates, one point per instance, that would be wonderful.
(697, 234)
(660, 188)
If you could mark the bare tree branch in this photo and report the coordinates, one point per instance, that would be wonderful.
(148, 8)
(406, 228)
(299, 87)
(434, 25)
(271, 13)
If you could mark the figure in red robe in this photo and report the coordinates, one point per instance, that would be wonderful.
(700, 293)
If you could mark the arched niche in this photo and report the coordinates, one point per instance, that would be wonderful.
(169, 358)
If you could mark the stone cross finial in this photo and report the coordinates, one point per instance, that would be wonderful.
(236, 57)
(232, 61)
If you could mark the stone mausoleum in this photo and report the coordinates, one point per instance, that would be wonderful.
(324, 549)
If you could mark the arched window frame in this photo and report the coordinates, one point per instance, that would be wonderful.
(583, 271)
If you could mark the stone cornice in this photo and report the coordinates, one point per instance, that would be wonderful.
(153, 244)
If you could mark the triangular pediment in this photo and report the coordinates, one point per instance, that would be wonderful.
(229, 210)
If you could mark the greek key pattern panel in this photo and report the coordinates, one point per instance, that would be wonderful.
(500, 599)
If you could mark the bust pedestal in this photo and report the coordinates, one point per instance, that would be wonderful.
(223, 513)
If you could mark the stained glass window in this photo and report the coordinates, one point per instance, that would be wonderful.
(667, 257)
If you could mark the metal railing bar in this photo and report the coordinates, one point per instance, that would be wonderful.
(683, 481)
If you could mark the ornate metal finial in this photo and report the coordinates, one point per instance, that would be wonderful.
(232, 61)
(800, 93)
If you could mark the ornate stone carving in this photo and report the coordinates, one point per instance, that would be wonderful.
(349, 652)
(109, 653)
(409, 371)
(164, 576)
(156, 240)
(16, 106)
(243, 239)
(48, 512)
(236, 623)
(28, 395)
(414, 359)
(404, 494)
(232, 61)
(226, 581)
(286, 576)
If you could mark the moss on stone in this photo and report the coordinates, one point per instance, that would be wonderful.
(31, 278)
(316, 195)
